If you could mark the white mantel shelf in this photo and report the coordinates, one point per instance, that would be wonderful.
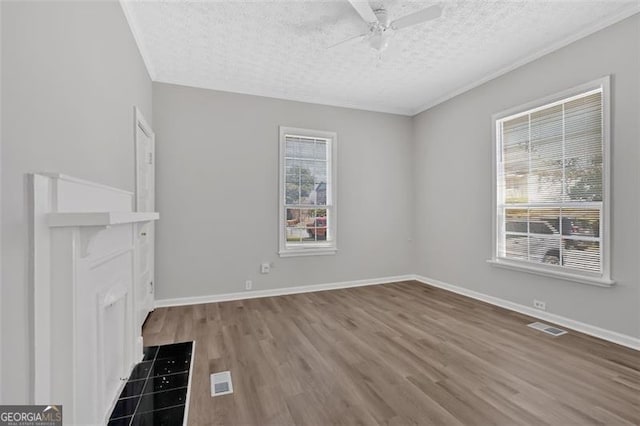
(99, 218)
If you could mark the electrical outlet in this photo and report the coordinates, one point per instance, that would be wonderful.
(538, 304)
(265, 268)
(248, 284)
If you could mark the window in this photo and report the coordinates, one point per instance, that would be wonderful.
(551, 207)
(307, 192)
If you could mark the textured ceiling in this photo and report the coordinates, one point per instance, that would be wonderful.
(279, 48)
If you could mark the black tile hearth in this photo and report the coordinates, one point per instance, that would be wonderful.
(175, 364)
(166, 417)
(167, 382)
(156, 392)
(166, 351)
(122, 421)
(149, 353)
(125, 407)
(133, 388)
(141, 371)
(160, 400)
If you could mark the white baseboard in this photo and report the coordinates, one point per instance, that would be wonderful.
(601, 333)
(611, 336)
(182, 301)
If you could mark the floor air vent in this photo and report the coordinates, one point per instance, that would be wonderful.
(547, 328)
(221, 383)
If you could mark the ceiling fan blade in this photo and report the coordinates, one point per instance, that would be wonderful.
(364, 10)
(359, 36)
(418, 17)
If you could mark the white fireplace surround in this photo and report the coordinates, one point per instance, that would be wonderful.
(85, 337)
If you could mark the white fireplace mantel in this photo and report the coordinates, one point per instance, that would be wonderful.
(83, 260)
(99, 218)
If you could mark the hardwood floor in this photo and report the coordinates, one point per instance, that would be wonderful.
(396, 354)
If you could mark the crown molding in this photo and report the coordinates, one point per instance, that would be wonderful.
(584, 32)
(144, 52)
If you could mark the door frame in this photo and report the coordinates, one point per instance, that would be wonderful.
(139, 121)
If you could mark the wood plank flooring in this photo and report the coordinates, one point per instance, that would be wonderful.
(395, 354)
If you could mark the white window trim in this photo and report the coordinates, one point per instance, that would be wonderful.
(603, 279)
(319, 249)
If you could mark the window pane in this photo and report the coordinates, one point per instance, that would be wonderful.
(516, 247)
(544, 250)
(516, 159)
(319, 171)
(292, 194)
(304, 226)
(583, 148)
(516, 174)
(581, 228)
(318, 195)
(583, 176)
(516, 131)
(537, 234)
(545, 180)
(584, 115)
(306, 182)
(317, 229)
(553, 155)
(299, 147)
(321, 150)
(582, 222)
(292, 166)
(583, 168)
(516, 220)
(583, 256)
(541, 242)
(299, 182)
(544, 221)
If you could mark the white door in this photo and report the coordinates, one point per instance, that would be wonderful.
(145, 202)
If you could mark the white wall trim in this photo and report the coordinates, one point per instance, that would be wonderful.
(601, 333)
(585, 32)
(225, 297)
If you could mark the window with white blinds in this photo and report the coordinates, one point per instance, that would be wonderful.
(307, 192)
(550, 184)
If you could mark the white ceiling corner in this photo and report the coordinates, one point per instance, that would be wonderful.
(278, 48)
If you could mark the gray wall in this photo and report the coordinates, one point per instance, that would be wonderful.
(71, 73)
(217, 180)
(453, 173)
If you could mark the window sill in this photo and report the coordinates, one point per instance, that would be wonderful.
(562, 275)
(325, 251)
